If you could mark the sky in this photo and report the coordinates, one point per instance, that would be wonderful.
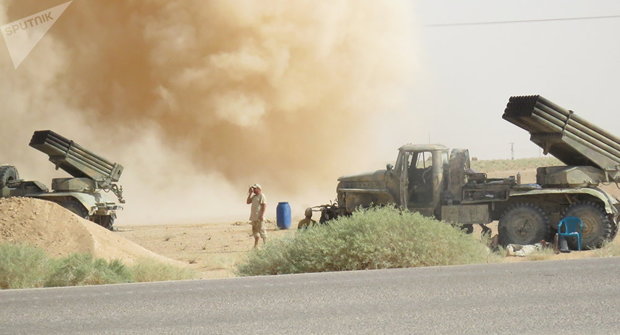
(469, 72)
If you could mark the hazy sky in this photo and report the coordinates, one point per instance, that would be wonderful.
(467, 73)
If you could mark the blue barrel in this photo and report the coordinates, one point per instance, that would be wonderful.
(283, 215)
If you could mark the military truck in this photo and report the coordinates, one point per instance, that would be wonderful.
(439, 182)
(84, 194)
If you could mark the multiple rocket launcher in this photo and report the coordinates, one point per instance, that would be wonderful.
(566, 136)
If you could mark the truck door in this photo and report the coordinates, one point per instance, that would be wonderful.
(421, 179)
(426, 181)
(402, 165)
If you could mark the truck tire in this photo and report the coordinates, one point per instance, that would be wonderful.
(105, 221)
(74, 206)
(523, 223)
(7, 174)
(614, 231)
(597, 227)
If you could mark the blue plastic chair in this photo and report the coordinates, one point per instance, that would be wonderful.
(573, 226)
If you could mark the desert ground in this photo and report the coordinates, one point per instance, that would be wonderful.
(211, 249)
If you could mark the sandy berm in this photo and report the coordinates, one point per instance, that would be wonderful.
(59, 232)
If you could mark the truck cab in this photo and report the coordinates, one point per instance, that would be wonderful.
(415, 182)
(429, 179)
(420, 174)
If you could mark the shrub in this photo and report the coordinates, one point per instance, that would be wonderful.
(147, 270)
(83, 269)
(376, 238)
(22, 266)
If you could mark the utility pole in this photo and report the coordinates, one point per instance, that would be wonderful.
(512, 151)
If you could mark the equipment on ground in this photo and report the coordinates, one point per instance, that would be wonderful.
(81, 194)
(438, 182)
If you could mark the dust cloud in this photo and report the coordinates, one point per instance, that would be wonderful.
(199, 99)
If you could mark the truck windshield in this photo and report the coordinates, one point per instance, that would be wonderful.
(424, 160)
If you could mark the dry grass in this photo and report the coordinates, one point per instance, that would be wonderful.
(225, 261)
(608, 250)
(542, 255)
(147, 270)
(23, 266)
(83, 269)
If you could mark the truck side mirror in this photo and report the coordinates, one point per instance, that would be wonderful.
(389, 167)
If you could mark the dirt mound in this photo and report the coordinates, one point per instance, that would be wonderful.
(59, 232)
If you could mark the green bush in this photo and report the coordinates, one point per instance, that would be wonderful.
(147, 270)
(83, 269)
(376, 238)
(22, 266)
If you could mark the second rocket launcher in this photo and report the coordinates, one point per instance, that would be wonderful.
(563, 134)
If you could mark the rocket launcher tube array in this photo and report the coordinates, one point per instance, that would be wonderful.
(583, 126)
(562, 133)
(75, 159)
(591, 141)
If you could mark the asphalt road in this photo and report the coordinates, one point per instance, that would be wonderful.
(558, 297)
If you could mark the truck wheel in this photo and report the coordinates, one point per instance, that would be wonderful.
(596, 225)
(105, 221)
(7, 174)
(614, 231)
(74, 206)
(523, 223)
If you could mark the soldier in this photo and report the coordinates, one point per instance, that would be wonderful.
(307, 222)
(257, 212)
